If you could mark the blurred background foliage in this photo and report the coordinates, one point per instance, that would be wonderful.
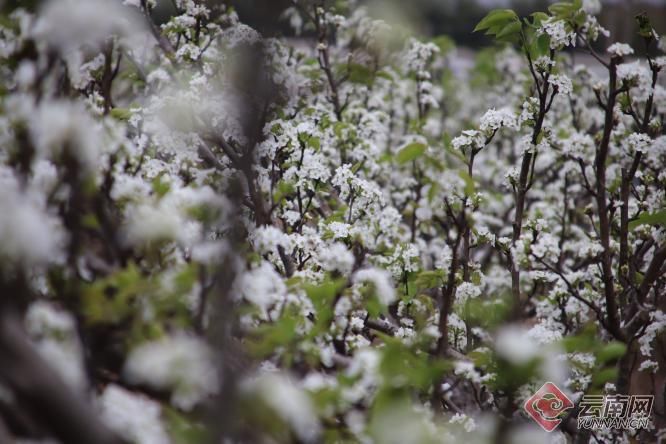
(455, 18)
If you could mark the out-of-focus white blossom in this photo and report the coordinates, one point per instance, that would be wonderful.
(515, 346)
(467, 422)
(592, 6)
(61, 128)
(466, 291)
(56, 338)
(620, 50)
(133, 416)
(67, 24)
(148, 223)
(31, 235)
(262, 286)
(337, 257)
(179, 363)
(289, 403)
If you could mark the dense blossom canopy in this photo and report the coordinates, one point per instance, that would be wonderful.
(208, 234)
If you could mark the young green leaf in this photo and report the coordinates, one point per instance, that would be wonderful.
(410, 152)
(496, 20)
(470, 186)
(658, 218)
(645, 29)
(509, 31)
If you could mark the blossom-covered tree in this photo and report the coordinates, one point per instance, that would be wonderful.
(212, 234)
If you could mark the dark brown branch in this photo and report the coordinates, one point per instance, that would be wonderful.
(447, 296)
(652, 273)
(42, 391)
(602, 204)
(523, 185)
(325, 63)
(162, 41)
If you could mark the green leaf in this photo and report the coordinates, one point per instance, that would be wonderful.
(476, 278)
(542, 44)
(509, 31)
(444, 43)
(324, 293)
(580, 18)
(361, 74)
(488, 314)
(447, 139)
(357, 166)
(470, 186)
(583, 342)
(283, 190)
(410, 152)
(89, 220)
(658, 218)
(561, 9)
(268, 337)
(183, 429)
(112, 299)
(495, 20)
(601, 377)
(122, 114)
(185, 279)
(402, 367)
(433, 192)
(385, 75)
(429, 279)
(314, 142)
(373, 306)
(644, 26)
(160, 187)
(538, 18)
(611, 352)
(323, 297)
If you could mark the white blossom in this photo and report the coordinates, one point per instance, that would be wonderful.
(132, 416)
(559, 35)
(381, 281)
(466, 291)
(562, 83)
(262, 286)
(620, 50)
(658, 324)
(592, 6)
(148, 223)
(31, 235)
(288, 402)
(61, 128)
(466, 421)
(493, 119)
(70, 23)
(418, 55)
(337, 258)
(515, 346)
(637, 143)
(56, 339)
(180, 363)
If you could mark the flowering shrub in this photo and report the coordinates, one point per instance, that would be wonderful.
(209, 234)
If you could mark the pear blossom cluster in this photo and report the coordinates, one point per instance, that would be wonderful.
(208, 232)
